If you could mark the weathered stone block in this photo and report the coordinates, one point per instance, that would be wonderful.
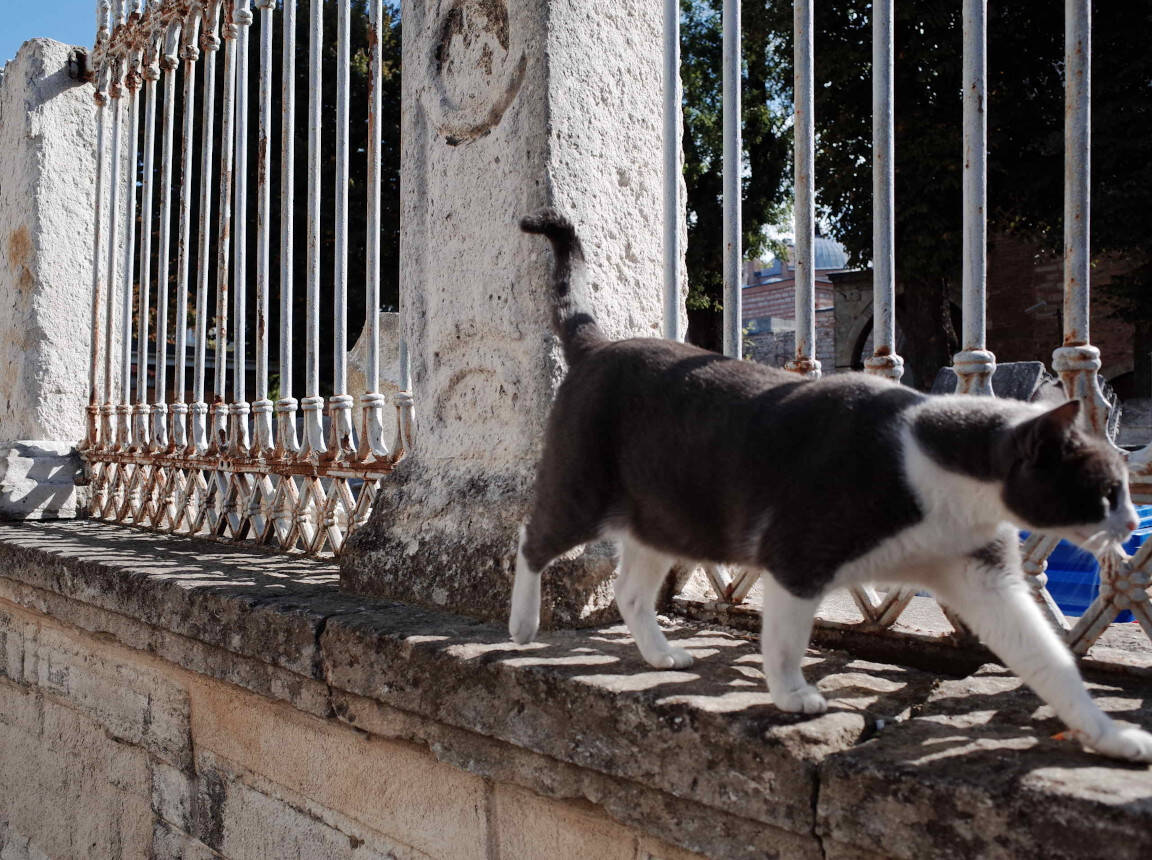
(17, 846)
(977, 773)
(98, 787)
(168, 843)
(393, 788)
(242, 822)
(11, 647)
(129, 700)
(509, 107)
(173, 795)
(22, 709)
(651, 848)
(47, 210)
(530, 826)
(38, 481)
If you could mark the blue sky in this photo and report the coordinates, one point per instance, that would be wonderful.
(71, 21)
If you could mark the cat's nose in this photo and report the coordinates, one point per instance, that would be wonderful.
(1131, 524)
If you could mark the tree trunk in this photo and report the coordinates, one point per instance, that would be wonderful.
(930, 338)
(706, 329)
(1142, 359)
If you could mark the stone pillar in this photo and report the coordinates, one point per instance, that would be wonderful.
(47, 199)
(509, 107)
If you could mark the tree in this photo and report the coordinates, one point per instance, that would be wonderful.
(766, 150)
(1025, 125)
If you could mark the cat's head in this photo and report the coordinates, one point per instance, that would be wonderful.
(1067, 482)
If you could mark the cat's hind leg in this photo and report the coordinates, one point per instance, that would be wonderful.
(989, 593)
(552, 530)
(642, 573)
(524, 617)
(787, 627)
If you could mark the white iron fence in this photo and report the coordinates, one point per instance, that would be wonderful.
(1124, 581)
(220, 467)
(308, 479)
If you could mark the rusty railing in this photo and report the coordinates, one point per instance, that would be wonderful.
(171, 459)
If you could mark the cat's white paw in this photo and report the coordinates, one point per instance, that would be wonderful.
(673, 658)
(806, 700)
(1129, 744)
(523, 628)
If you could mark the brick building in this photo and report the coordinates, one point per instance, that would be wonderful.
(1025, 312)
(769, 305)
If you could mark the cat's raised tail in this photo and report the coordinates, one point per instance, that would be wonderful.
(576, 329)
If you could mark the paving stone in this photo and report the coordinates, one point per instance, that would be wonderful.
(977, 773)
(709, 734)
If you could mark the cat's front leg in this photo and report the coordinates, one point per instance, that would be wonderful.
(989, 593)
(787, 627)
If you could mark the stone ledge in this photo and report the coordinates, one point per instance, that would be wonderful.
(905, 763)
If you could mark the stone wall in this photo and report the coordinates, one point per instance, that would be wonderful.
(109, 750)
(169, 697)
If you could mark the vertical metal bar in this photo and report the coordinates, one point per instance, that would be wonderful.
(733, 149)
(190, 53)
(341, 444)
(141, 410)
(371, 442)
(884, 360)
(108, 408)
(313, 403)
(672, 249)
(209, 44)
(1077, 361)
(124, 410)
(974, 365)
(287, 444)
(804, 362)
(169, 62)
(1077, 140)
(262, 407)
(238, 433)
(220, 410)
(92, 432)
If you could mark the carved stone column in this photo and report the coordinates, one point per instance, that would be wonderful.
(509, 107)
(47, 206)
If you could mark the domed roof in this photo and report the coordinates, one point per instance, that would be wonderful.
(829, 254)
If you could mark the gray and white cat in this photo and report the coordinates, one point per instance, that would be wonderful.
(681, 453)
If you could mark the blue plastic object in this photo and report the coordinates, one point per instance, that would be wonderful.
(1074, 575)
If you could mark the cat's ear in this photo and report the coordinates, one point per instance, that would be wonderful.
(1043, 436)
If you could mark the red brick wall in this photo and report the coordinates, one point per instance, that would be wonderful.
(1018, 330)
(778, 299)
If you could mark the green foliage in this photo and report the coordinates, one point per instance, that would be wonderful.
(1025, 127)
(766, 151)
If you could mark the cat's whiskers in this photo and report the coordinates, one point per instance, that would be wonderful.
(1097, 542)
